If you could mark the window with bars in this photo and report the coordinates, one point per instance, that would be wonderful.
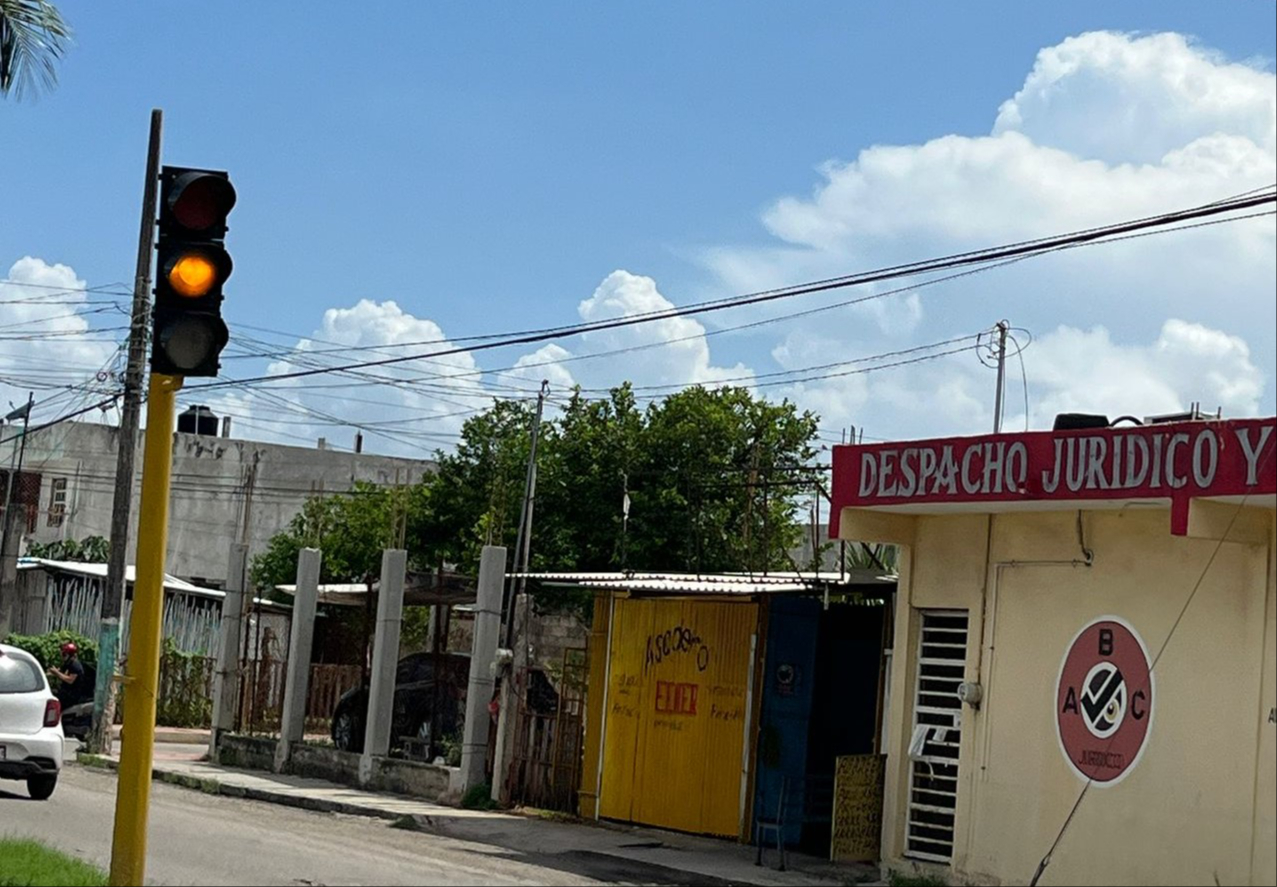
(57, 501)
(937, 735)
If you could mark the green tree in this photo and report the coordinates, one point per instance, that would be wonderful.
(718, 481)
(713, 478)
(33, 37)
(585, 479)
(350, 529)
(474, 497)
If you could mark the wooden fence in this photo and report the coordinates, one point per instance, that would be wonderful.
(193, 622)
(262, 694)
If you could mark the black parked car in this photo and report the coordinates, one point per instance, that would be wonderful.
(428, 703)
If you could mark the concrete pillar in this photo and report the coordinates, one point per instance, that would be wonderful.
(483, 651)
(300, 635)
(226, 682)
(385, 654)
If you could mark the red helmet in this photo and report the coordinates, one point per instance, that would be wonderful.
(69, 649)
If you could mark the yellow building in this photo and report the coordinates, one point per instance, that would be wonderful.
(715, 698)
(1083, 656)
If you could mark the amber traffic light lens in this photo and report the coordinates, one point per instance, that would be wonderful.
(193, 275)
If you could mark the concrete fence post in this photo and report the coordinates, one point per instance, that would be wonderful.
(226, 680)
(301, 634)
(483, 651)
(385, 656)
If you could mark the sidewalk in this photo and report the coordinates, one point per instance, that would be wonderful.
(532, 834)
(174, 735)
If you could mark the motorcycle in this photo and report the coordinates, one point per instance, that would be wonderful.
(77, 720)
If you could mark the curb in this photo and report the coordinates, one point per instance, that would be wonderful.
(215, 787)
(168, 735)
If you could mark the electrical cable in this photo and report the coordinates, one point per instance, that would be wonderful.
(979, 257)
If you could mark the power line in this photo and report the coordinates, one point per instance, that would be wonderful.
(372, 379)
(66, 418)
(62, 289)
(1026, 248)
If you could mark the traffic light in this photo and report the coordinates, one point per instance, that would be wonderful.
(191, 266)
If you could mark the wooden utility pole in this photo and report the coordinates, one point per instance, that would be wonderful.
(523, 541)
(507, 719)
(10, 534)
(99, 739)
(19, 449)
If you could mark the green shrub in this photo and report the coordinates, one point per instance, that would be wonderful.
(91, 549)
(47, 648)
(900, 879)
(185, 698)
(450, 748)
(478, 797)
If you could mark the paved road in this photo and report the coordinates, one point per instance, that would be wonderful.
(205, 839)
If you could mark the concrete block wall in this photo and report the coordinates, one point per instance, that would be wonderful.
(432, 782)
(551, 634)
(246, 752)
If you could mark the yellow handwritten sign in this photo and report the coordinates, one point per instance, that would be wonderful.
(857, 832)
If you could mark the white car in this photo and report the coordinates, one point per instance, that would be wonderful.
(30, 724)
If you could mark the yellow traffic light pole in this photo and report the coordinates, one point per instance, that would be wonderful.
(132, 801)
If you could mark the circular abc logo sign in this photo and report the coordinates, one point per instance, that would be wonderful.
(1104, 701)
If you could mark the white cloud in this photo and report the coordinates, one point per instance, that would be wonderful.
(542, 364)
(686, 360)
(1067, 370)
(1127, 99)
(1106, 127)
(46, 344)
(414, 407)
(1077, 370)
(409, 408)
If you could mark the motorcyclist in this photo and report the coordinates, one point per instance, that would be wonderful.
(71, 674)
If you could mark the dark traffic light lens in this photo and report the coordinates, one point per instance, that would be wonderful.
(190, 341)
(201, 201)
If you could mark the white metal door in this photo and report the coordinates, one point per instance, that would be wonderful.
(937, 735)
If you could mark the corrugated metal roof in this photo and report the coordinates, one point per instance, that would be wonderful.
(731, 584)
(80, 568)
(421, 589)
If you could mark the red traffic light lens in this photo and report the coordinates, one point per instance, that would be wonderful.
(200, 201)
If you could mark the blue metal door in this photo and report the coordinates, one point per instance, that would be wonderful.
(788, 679)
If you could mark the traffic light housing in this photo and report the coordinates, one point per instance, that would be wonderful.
(188, 332)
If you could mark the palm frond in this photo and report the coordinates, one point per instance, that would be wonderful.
(33, 37)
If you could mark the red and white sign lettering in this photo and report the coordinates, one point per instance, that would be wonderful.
(1104, 701)
(1174, 461)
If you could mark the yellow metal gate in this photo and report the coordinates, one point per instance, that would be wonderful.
(678, 704)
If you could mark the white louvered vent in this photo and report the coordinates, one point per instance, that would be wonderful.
(937, 735)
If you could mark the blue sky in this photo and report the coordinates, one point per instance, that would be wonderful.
(487, 167)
